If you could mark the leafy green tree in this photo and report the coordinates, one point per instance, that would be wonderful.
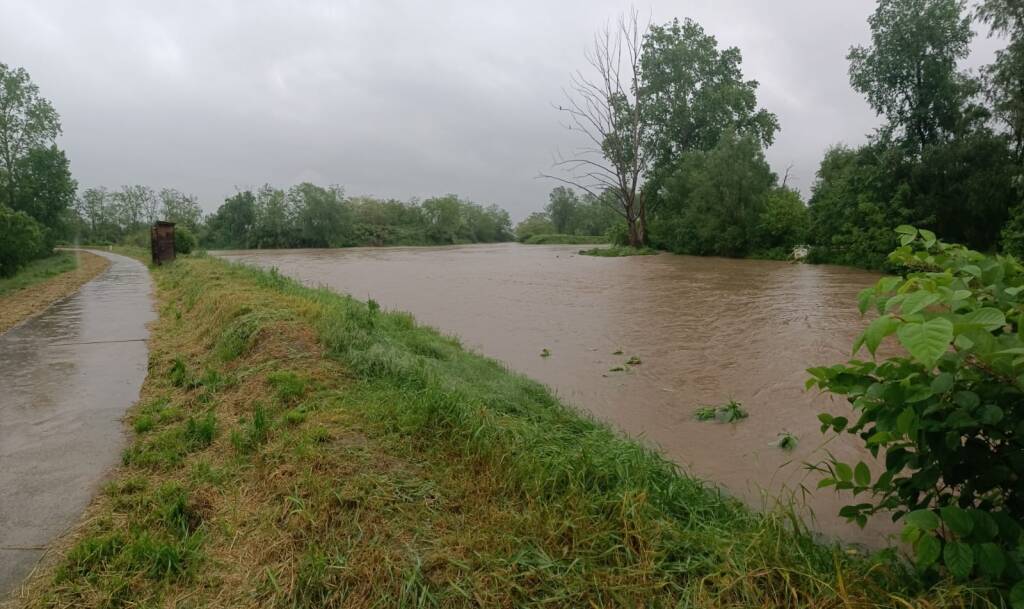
(131, 204)
(563, 209)
(693, 93)
(275, 219)
(180, 208)
(27, 122)
(856, 198)
(963, 190)
(1005, 76)
(322, 218)
(21, 240)
(909, 71)
(714, 200)
(45, 190)
(537, 223)
(782, 224)
(445, 221)
(234, 222)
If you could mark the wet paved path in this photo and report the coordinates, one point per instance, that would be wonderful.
(66, 379)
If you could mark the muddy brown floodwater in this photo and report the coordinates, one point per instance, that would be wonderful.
(706, 329)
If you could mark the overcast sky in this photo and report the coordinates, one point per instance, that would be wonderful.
(395, 99)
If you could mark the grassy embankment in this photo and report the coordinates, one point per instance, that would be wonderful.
(297, 448)
(43, 282)
(565, 239)
(616, 251)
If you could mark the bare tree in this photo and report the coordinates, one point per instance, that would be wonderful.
(606, 108)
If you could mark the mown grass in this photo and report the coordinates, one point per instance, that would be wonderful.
(557, 239)
(616, 251)
(38, 271)
(297, 448)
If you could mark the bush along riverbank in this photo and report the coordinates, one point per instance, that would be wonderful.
(556, 239)
(298, 448)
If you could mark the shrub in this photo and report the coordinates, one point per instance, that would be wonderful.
(184, 240)
(21, 240)
(948, 414)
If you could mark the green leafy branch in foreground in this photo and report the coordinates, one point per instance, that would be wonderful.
(948, 415)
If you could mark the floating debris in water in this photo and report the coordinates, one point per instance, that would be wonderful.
(786, 441)
(730, 412)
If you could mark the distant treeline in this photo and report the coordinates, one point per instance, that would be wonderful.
(305, 215)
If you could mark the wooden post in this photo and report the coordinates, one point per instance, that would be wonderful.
(161, 242)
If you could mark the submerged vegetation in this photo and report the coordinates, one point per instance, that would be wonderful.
(730, 412)
(299, 448)
(617, 251)
(558, 239)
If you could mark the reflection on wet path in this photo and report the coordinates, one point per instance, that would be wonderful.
(707, 330)
(66, 378)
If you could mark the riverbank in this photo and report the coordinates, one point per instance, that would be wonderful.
(43, 282)
(557, 239)
(299, 448)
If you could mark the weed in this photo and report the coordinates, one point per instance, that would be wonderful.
(144, 423)
(295, 416)
(288, 385)
(252, 432)
(545, 353)
(633, 361)
(180, 375)
(616, 369)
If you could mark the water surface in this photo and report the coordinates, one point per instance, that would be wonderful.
(706, 329)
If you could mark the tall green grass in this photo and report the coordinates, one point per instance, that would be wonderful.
(38, 271)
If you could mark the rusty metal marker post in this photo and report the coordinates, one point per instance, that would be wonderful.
(161, 238)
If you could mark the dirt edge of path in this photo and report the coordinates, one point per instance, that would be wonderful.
(29, 302)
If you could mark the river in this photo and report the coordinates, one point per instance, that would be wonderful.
(707, 330)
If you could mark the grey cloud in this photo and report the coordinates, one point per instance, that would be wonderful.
(389, 98)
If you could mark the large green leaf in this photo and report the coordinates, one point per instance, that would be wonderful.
(861, 474)
(917, 301)
(959, 559)
(1017, 595)
(875, 332)
(926, 520)
(958, 520)
(927, 550)
(991, 560)
(987, 318)
(926, 340)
